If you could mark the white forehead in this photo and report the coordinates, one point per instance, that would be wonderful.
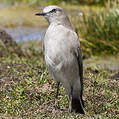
(50, 8)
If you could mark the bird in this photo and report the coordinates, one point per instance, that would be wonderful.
(63, 55)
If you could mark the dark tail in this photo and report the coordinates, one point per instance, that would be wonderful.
(78, 105)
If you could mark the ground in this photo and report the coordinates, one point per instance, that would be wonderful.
(28, 91)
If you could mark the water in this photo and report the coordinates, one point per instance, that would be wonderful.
(23, 34)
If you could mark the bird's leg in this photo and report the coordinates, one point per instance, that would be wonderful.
(70, 101)
(57, 93)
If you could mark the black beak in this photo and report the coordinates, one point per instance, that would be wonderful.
(40, 14)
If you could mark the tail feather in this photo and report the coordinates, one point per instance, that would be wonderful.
(77, 105)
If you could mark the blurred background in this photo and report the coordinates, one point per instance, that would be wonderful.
(97, 28)
(22, 63)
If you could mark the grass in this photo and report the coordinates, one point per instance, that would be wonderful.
(21, 16)
(97, 33)
(39, 2)
(101, 31)
(28, 91)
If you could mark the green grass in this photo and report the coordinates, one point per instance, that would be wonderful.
(99, 31)
(28, 91)
(39, 2)
(102, 30)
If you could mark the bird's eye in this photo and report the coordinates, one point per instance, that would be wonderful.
(54, 10)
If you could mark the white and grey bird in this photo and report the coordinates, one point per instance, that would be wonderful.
(63, 55)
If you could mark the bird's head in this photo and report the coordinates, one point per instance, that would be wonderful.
(52, 13)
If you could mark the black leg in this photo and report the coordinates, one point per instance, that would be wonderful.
(56, 100)
(57, 93)
(70, 100)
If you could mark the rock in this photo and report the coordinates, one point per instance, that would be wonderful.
(8, 44)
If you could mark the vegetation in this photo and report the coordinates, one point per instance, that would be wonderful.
(101, 32)
(27, 91)
(38, 2)
(26, 88)
(98, 30)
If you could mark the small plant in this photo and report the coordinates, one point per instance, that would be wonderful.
(101, 31)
